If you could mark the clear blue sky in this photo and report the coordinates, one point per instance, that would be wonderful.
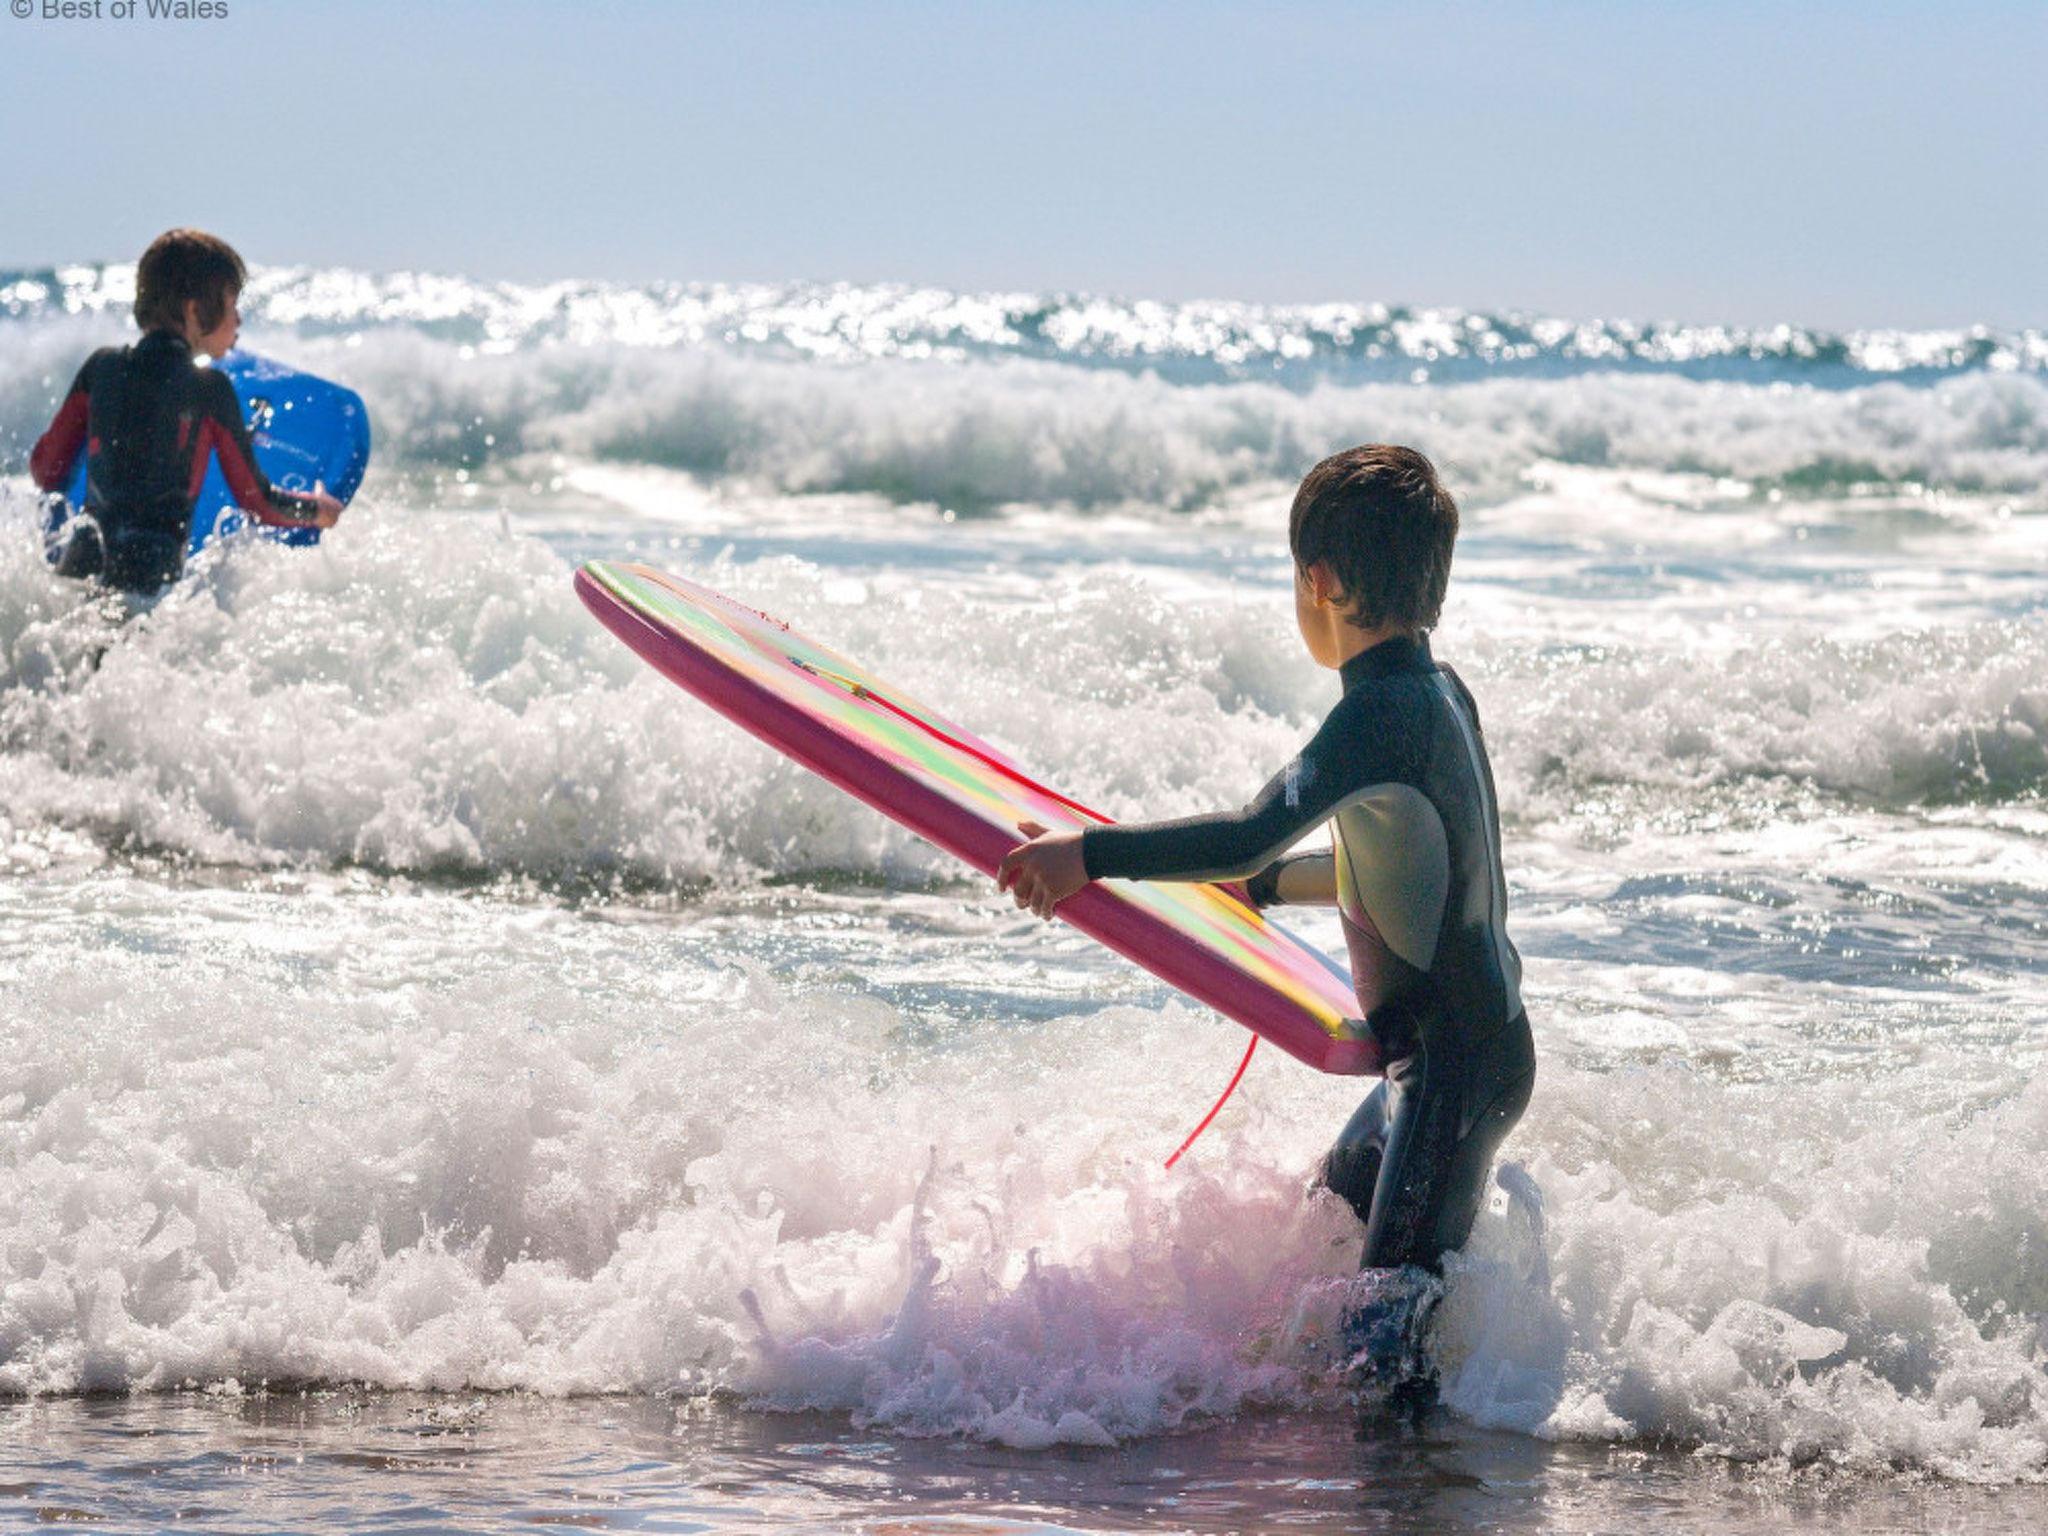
(1835, 164)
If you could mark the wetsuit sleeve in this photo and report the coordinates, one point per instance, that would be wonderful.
(223, 434)
(56, 451)
(1229, 845)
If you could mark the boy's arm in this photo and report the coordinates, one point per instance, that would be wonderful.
(1296, 880)
(225, 435)
(1229, 845)
(1348, 754)
(56, 451)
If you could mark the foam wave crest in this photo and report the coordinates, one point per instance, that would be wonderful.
(395, 701)
(1771, 1285)
(983, 436)
(392, 700)
(1909, 719)
(743, 392)
(467, 1197)
(1201, 341)
(503, 1181)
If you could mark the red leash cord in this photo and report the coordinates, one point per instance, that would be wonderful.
(1236, 1078)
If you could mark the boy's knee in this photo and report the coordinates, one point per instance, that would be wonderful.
(85, 552)
(1352, 1169)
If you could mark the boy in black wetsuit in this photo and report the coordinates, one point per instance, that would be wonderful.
(147, 417)
(1399, 771)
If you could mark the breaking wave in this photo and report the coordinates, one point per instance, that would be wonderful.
(507, 1181)
(976, 402)
(398, 702)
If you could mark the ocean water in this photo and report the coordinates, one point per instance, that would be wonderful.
(449, 1078)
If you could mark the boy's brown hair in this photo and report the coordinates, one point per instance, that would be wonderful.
(1381, 520)
(182, 265)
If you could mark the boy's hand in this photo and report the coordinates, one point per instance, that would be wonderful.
(326, 509)
(1043, 872)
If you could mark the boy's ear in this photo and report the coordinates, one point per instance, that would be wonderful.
(1323, 585)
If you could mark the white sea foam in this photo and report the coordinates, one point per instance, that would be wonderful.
(982, 426)
(483, 1171)
(1759, 655)
(1847, 1284)
(1910, 719)
(403, 700)
(984, 434)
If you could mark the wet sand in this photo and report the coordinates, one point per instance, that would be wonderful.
(336, 1460)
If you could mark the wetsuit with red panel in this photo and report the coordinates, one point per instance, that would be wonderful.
(147, 417)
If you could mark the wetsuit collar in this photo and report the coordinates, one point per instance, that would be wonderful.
(164, 337)
(1399, 654)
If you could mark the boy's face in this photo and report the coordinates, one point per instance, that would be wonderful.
(219, 341)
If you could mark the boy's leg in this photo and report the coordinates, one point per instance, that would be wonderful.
(85, 553)
(1421, 1136)
(1352, 1166)
(143, 562)
(1501, 1088)
(1446, 1111)
(1384, 1325)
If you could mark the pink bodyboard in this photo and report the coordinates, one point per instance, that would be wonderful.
(957, 791)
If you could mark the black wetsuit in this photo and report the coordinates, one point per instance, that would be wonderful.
(1399, 769)
(147, 418)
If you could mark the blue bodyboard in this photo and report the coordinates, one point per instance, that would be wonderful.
(306, 431)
